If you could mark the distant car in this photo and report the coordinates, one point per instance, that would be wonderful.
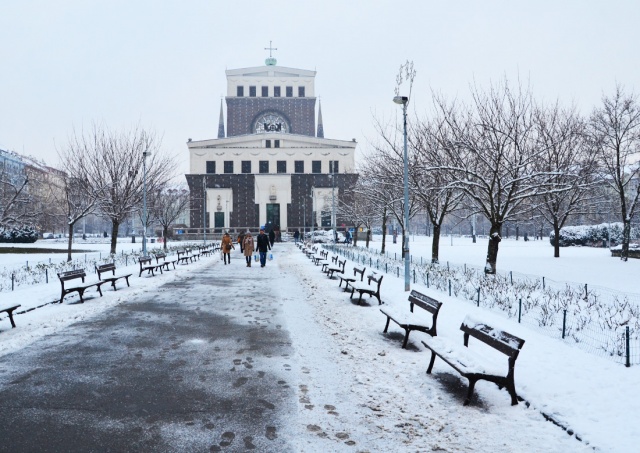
(47, 236)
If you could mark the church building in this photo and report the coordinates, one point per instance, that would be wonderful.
(273, 166)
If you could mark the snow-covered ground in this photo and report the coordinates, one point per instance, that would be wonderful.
(389, 392)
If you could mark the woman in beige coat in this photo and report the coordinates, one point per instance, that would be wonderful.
(248, 247)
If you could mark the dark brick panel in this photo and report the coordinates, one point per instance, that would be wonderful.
(243, 112)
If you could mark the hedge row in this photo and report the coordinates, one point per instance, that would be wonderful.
(591, 235)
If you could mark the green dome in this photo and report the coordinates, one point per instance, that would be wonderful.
(270, 61)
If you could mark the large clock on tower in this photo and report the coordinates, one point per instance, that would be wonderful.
(270, 122)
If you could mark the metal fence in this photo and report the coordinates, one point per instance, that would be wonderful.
(599, 320)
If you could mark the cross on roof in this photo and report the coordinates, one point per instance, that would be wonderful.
(270, 48)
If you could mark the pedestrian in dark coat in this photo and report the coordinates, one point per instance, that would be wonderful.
(272, 237)
(296, 236)
(263, 245)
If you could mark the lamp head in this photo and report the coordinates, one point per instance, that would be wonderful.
(402, 100)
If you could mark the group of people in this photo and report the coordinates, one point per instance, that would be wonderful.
(262, 244)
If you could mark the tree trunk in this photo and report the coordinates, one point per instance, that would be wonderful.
(556, 246)
(435, 245)
(165, 233)
(368, 236)
(626, 237)
(403, 241)
(70, 242)
(384, 231)
(355, 235)
(492, 251)
(114, 236)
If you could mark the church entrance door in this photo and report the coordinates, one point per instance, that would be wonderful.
(218, 219)
(273, 214)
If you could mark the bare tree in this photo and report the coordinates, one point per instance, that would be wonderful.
(429, 175)
(568, 159)
(79, 201)
(15, 199)
(492, 158)
(119, 165)
(168, 205)
(615, 127)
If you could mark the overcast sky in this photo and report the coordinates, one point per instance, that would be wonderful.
(65, 64)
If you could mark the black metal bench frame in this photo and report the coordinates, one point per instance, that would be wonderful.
(370, 289)
(336, 269)
(8, 309)
(348, 280)
(165, 262)
(111, 267)
(501, 341)
(80, 289)
(146, 264)
(416, 299)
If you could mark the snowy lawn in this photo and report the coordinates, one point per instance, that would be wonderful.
(592, 397)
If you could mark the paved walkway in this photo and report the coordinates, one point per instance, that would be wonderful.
(184, 368)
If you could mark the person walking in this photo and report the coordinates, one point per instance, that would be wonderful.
(241, 241)
(296, 236)
(272, 237)
(248, 247)
(263, 245)
(227, 245)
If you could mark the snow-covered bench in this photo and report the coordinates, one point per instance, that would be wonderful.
(336, 268)
(371, 287)
(185, 257)
(317, 258)
(79, 288)
(9, 310)
(474, 366)
(410, 320)
(161, 258)
(146, 264)
(347, 280)
(326, 263)
(111, 267)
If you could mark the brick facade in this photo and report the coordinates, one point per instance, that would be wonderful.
(242, 113)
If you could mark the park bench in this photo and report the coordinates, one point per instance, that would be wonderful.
(320, 257)
(205, 250)
(146, 264)
(79, 288)
(347, 280)
(336, 268)
(194, 254)
(310, 252)
(372, 289)
(184, 257)
(474, 366)
(8, 309)
(165, 262)
(410, 320)
(111, 267)
(326, 263)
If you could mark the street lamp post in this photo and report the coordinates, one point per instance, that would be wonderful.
(144, 201)
(313, 206)
(403, 100)
(333, 206)
(204, 211)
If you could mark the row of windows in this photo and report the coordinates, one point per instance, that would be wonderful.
(281, 166)
(276, 143)
(253, 90)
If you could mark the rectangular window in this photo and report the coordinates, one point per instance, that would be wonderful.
(282, 166)
(333, 166)
(246, 166)
(264, 166)
(265, 92)
(228, 166)
(316, 166)
(276, 143)
(239, 91)
(298, 166)
(211, 166)
(289, 92)
(300, 92)
(276, 92)
(252, 92)
(267, 143)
